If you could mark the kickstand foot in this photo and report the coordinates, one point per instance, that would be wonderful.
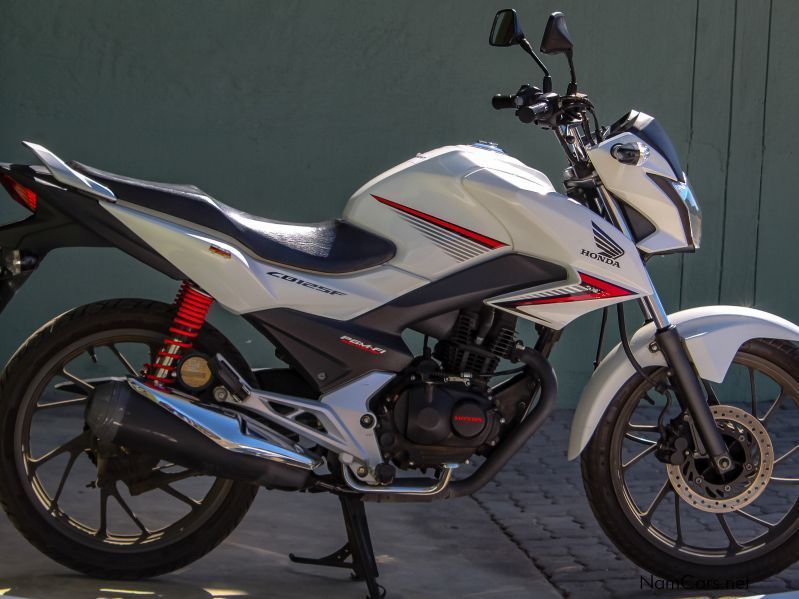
(337, 559)
(358, 547)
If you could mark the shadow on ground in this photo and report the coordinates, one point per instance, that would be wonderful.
(438, 550)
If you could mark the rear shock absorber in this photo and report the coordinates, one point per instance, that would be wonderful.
(192, 308)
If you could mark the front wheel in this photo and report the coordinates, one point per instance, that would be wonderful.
(686, 522)
(144, 516)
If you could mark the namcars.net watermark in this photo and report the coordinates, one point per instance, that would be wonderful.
(689, 582)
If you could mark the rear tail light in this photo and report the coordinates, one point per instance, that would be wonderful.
(22, 195)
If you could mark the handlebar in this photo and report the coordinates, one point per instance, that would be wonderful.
(539, 108)
(554, 112)
(524, 102)
(529, 102)
(547, 110)
(526, 96)
(501, 101)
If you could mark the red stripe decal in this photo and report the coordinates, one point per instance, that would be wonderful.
(463, 232)
(593, 289)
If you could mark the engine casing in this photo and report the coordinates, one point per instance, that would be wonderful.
(430, 424)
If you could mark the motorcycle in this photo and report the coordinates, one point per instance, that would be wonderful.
(456, 244)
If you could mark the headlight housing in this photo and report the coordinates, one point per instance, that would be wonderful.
(683, 199)
(694, 229)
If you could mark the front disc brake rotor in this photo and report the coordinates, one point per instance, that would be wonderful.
(750, 447)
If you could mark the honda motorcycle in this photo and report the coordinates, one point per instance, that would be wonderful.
(678, 427)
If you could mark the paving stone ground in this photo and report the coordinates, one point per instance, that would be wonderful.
(528, 534)
(539, 502)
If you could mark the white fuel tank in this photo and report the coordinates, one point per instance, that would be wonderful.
(423, 206)
(455, 206)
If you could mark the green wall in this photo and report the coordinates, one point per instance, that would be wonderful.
(284, 108)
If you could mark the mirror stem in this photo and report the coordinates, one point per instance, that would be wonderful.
(573, 84)
(547, 86)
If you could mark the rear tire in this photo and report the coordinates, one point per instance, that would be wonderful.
(46, 529)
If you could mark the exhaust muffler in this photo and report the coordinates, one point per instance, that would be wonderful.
(210, 440)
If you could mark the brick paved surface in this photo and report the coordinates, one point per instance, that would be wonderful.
(539, 502)
(529, 533)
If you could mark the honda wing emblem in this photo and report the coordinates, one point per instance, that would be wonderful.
(607, 247)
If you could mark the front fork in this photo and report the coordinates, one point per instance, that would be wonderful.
(688, 386)
(690, 392)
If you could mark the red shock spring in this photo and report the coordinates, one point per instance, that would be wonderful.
(192, 308)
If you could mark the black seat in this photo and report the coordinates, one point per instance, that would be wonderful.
(331, 246)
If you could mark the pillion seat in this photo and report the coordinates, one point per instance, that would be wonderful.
(331, 246)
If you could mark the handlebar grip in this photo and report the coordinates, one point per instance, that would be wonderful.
(501, 101)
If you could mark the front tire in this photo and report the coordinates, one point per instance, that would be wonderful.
(666, 535)
(207, 509)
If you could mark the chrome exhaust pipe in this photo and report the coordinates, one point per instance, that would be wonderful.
(211, 440)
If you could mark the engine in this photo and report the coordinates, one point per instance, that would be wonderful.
(443, 409)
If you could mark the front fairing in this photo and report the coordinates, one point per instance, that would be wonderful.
(655, 193)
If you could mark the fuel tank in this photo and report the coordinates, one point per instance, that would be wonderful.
(456, 206)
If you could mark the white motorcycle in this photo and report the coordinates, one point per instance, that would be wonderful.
(678, 428)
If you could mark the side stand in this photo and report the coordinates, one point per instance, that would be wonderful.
(358, 546)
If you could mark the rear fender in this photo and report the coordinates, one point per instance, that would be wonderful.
(712, 335)
(64, 217)
(25, 243)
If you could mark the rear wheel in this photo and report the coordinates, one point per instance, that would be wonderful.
(686, 522)
(146, 517)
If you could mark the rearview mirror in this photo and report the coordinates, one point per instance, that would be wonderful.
(506, 30)
(556, 38)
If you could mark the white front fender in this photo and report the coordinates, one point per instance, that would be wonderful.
(712, 334)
